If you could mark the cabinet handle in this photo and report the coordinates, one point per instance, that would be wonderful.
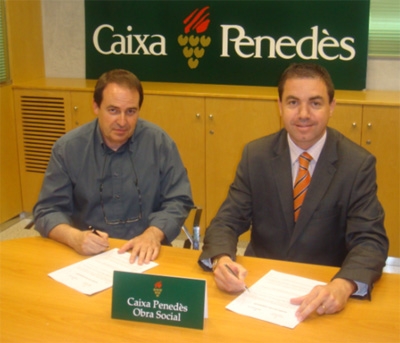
(75, 108)
(197, 115)
(354, 124)
(368, 141)
(211, 132)
(211, 116)
(369, 125)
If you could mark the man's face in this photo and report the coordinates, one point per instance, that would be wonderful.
(305, 110)
(117, 114)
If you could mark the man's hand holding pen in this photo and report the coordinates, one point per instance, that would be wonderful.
(94, 241)
(229, 275)
(87, 242)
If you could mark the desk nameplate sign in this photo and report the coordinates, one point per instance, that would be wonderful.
(159, 299)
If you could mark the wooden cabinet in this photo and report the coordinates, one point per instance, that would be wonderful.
(380, 135)
(81, 108)
(348, 120)
(230, 124)
(42, 116)
(210, 134)
(10, 187)
(210, 125)
(183, 119)
(376, 128)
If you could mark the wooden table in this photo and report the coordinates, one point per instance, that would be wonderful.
(35, 308)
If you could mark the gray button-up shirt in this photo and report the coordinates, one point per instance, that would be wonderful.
(123, 192)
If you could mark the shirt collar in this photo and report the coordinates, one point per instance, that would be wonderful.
(105, 147)
(314, 151)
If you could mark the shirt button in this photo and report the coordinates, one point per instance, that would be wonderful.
(116, 196)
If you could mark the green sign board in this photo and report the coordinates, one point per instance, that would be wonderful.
(159, 299)
(227, 42)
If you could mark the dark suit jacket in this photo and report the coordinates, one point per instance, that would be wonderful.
(341, 220)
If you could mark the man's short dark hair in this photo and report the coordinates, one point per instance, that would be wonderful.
(307, 70)
(122, 78)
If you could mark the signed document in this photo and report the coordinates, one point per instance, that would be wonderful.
(95, 274)
(269, 298)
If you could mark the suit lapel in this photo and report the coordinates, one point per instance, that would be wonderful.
(320, 181)
(283, 179)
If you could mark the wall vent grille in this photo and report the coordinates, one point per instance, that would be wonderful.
(43, 122)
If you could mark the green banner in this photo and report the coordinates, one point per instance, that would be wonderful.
(227, 42)
(159, 299)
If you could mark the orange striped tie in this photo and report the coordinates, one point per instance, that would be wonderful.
(301, 184)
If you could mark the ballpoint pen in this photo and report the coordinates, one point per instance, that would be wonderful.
(233, 273)
(91, 228)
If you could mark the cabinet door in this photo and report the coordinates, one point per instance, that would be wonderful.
(81, 108)
(10, 185)
(380, 136)
(230, 124)
(42, 117)
(347, 120)
(182, 118)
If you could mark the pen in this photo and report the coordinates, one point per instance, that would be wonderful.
(91, 228)
(233, 273)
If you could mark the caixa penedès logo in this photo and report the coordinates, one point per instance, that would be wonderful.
(195, 39)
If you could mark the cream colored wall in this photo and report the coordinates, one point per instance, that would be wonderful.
(383, 74)
(64, 38)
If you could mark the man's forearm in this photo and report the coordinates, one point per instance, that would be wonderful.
(65, 234)
(156, 232)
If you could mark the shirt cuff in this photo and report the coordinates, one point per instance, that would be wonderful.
(207, 263)
(362, 289)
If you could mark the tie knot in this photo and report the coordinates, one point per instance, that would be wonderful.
(304, 160)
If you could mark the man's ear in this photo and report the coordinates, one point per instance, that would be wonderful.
(95, 108)
(280, 107)
(332, 107)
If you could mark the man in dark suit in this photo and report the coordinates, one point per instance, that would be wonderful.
(340, 221)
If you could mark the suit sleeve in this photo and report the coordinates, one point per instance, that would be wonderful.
(366, 239)
(232, 219)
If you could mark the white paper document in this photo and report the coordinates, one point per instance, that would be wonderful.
(96, 273)
(269, 298)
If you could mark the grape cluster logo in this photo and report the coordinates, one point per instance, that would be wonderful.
(157, 288)
(194, 40)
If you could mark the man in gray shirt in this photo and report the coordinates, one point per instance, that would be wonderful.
(120, 175)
